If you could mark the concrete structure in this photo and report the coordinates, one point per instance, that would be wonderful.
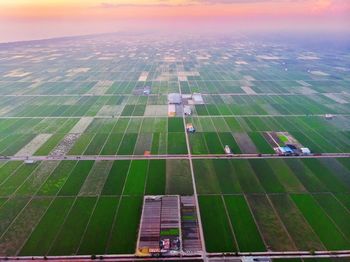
(197, 98)
(174, 98)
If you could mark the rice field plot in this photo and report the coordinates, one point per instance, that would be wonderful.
(76, 178)
(68, 239)
(270, 225)
(258, 124)
(244, 227)
(2, 201)
(57, 178)
(116, 178)
(266, 176)
(139, 110)
(198, 144)
(128, 110)
(13, 146)
(9, 211)
(201, 110)
(120, 126)
(96, 144)
(178, 177)
(327, 176)
(205, 124)
(306, 176)
(220, 124)
(17, 233)
(176, 143)
(245, 143)
(344, 199)
(246, 177)
(8, 168)
(127, 145)
(260, 142)
(218, 234)
(100, 224)
(338, 169)
(143, 144)
(49, 145)
(112, 144)
(321, 223)
(156, 178)
(212, 110)
(205, 175)
(37, 178)
(16, 179)
(81, 144)
(336, 211)
(175, 124)
(123, 235)
(303, 235)
(134, 125)
(136, 178)
(228, 139)
(160, 124)
(44, 233)
(216, 176)
(213, 143)
(96, 179)
(285, 175)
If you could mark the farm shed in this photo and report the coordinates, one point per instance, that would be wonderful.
(305, 151)
(190, 128)
(285, 150)
(187, 110)
(197, 98)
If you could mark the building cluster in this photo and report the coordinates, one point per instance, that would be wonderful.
(160, 226)
(293, 150)
(181, 104)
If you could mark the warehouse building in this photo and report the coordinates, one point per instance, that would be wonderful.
(174, 98)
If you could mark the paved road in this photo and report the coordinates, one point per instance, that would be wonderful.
(186, 156)
(230, 94)
(165, 116)
(211, 256)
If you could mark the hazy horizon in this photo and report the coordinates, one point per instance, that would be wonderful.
(28, 20)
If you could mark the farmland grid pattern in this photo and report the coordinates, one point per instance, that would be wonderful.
(86, 198)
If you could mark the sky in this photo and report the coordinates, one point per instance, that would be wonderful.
(38, 19)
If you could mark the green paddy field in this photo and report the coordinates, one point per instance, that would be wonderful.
(63, 100)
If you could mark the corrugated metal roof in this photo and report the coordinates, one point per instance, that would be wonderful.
(174, 98)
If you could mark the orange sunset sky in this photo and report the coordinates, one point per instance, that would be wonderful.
(31, 19)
